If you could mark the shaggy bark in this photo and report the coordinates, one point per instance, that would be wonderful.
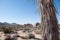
(49, 20)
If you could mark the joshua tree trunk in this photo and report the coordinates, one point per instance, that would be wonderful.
(49, 20)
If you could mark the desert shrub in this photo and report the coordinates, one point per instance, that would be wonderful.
(16, 35)
(6, 30)
(31, 36)
(8, 37)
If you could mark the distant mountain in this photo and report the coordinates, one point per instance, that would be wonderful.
(8, 24)
(12, 26)
(13, 23)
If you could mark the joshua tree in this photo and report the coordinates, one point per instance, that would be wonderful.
(49, 20)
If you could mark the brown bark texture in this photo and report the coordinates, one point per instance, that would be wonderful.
(49, 20)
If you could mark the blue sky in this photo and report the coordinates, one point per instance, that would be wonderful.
(19, 11)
